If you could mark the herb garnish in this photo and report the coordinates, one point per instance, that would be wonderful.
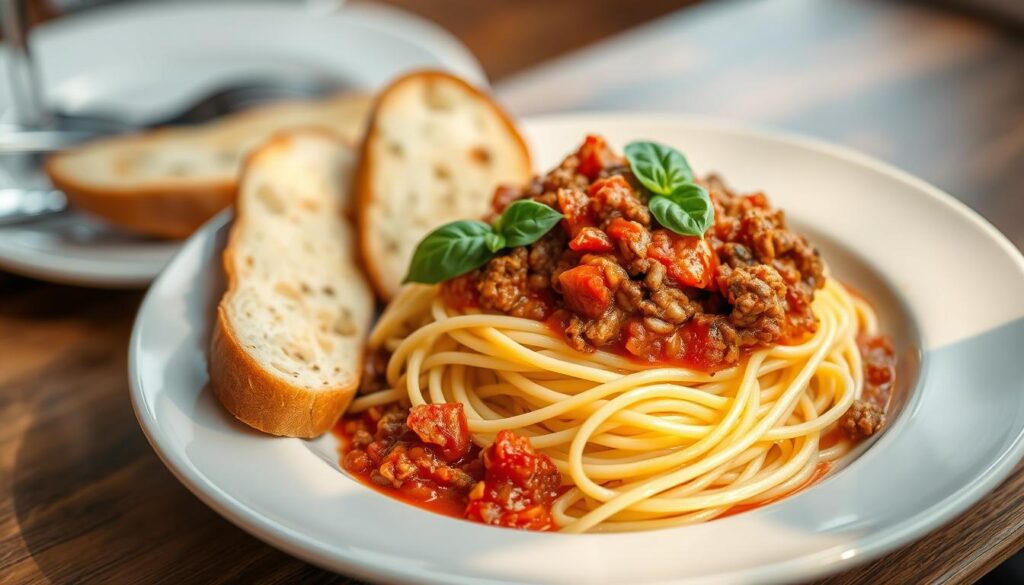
(462, 246)
(677, 202)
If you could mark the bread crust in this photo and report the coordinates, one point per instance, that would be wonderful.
(164, 211)
(169, 209)
(364, 167)
(264, 401)
(250, 392)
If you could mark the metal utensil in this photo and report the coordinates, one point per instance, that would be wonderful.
(18, 205)
(71, 129)
(39, 131)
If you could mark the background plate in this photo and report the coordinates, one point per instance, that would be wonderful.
(144, 60)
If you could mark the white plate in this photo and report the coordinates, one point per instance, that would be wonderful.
(948, 286)
(142, 60)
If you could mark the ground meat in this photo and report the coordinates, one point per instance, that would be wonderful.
(618, 280)
(758, 298)
(503, 281)
(605, 329)
(670, 304)
(758, 231)
(544, 256)
(631, 237)
(502, 286)
(723, 341)
(807, 261)
(574, 334)
(614, 198)
(565, 177)
(404, 464)
(735, 255)
(629, 295)
(862, 420)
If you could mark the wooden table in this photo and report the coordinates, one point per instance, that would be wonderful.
(83, 498)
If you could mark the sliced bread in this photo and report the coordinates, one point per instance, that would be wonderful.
(434, 152)
(167, 182)
(287, 347)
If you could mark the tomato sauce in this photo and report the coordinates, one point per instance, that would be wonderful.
(819, 473)
(425, 456)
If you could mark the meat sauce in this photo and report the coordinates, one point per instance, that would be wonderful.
(866, 416)
(425, 456)
(609, 277)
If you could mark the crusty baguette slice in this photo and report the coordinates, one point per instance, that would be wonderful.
(167, 182)
(434, 152)
(287, 347)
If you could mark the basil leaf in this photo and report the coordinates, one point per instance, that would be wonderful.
(525, 221)
(494, 242)
(453, 250)
(686, 211)
(660, 168)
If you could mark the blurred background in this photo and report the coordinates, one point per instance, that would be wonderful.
(933, 87)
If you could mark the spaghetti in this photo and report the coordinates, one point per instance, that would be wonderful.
(642, 447)
(630, 369)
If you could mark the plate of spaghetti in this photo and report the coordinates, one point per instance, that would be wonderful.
(680, 351)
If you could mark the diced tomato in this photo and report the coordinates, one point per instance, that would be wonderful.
(622, 229)
(575, 206)
(443, 425)
(460, 292)
(689, 259)
(518, 487)
(696, 339)
(594, 155)
(879, 367)
(585, 290)
(512, 458)
(612, 190)
(591, 239)
(631, 237)
(613, 194)
(691, 349)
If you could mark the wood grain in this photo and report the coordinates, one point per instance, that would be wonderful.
(84, 499)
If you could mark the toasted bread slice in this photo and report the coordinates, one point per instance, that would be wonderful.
(167, 182)
(287, 347)
(434, 152)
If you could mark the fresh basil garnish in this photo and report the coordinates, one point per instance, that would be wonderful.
(452, 250)
(685, 212)
(463, 246)
(525, 221)
(660, 168)
(676, 201)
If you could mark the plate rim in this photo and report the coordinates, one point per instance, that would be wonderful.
(808, 566)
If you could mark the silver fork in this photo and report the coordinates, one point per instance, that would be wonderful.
(69, 129)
